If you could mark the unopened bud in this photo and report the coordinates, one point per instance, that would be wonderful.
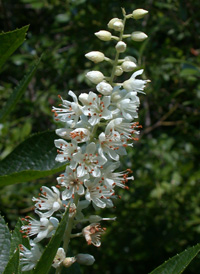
(118, 26)
(138, 36)
(95, 56)
(139, 13)
(104, 88)
(83, 97)
(128, 66)
(120, 46)
(95, 76)
(85, 259)
(69, 261)
(115, 24)
(103, 35)
(118, 71)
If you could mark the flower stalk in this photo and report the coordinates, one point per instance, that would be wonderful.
(98, 128)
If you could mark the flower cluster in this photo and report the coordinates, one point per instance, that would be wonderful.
(97, 129)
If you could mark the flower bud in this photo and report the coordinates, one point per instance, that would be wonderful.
(120, 46)
(85, 259)
(104, 88)
(139, 13)
(138, 36)
(128, 66)
(118, 26)
(118, 71)
(103, 35)
(69, 261)
(95, 76)
(83, 97)
(95, 218)
(95, 56)
(113, 21)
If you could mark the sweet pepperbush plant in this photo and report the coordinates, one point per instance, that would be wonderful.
(97, 129)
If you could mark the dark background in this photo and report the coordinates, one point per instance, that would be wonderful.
(160, 215)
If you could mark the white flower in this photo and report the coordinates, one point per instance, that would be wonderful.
(103, 35)
(139, 13)
(111, 179)
(70, 112)
(43, 228)
(29, 257)
(133, 84)
(97, 193)
(89, 162)
(80, 135)
(92, 234)
(49, 200)
(67, 262)
(125, 129)
(66, 150)
(59, 258)
(85, 259)
(127, 104)
(120, 46)
(95, 56)
(104, 88)
(95, 76)
(96, 108)
(138, 36)
(111, 144)
(72, 183)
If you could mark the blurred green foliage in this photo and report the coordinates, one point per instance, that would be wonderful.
(160, 215)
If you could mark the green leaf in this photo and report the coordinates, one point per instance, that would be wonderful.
(4, 244)
(18, 92)
(45, 262)
(17, 238)
(32, 159)
(10, 41)
(178, 263)
(13, 264)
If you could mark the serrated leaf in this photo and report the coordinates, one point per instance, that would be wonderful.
(32, 159)
(18, 92)
(17, 238)
(178, 263)
(10, 41)
(4, 244)
(13, 264)
(45, 262)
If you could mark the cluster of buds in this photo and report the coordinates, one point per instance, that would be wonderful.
(98, 128)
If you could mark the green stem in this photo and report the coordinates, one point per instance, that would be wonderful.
(117, 54)
(67, 234)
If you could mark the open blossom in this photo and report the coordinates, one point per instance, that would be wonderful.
(112, 145)
(133, 84)
(29, 257)
(66, 150)
(125, 129)
(127, 105)
(112, 179)
(92, 234)
(70, 112)
(49, 200)
(97, 193)
(79, 135)
(72, 183)
(89, 162)
(95, 108)
(44, 228)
